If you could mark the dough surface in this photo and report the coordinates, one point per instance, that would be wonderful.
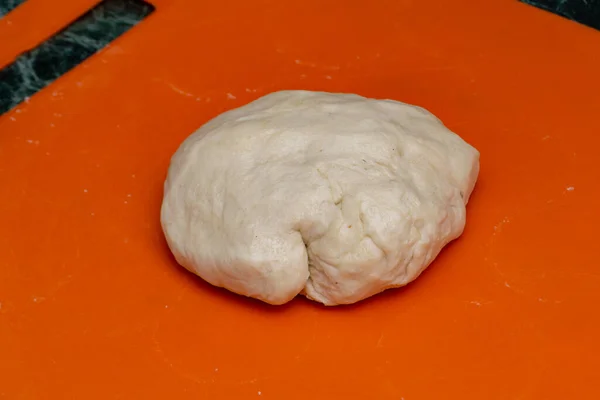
(334, 196)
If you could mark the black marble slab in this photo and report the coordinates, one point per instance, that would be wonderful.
(7, 6)
(586, 12)
(37, 68)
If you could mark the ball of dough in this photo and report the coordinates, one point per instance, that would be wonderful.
(334, 196)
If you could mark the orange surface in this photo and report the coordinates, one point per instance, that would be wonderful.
(93, 306)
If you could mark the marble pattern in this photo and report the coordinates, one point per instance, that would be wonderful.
(7, 6)
(37, 68)
(586, 12)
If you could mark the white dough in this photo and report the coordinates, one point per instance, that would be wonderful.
(334, 196)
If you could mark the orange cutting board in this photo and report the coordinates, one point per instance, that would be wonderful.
(93, 306)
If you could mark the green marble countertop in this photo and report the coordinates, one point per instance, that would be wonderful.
(8, 5)
(39, 67)
(586, 12)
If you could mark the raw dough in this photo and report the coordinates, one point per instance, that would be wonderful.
(334, 196)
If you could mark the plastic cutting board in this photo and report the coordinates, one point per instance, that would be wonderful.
(93, 306)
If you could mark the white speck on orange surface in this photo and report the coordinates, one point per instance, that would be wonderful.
(259, 392)
(327, 76)
(27, 99)
(38, 299)
(128, 194)
(85, 190)
(231, 96)
(125, 202)
(305, 63)
(180, 91)
(13, 119)
(216, 369)
(57, 115)
(570, 188)
(52, 125)
(18, 111)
